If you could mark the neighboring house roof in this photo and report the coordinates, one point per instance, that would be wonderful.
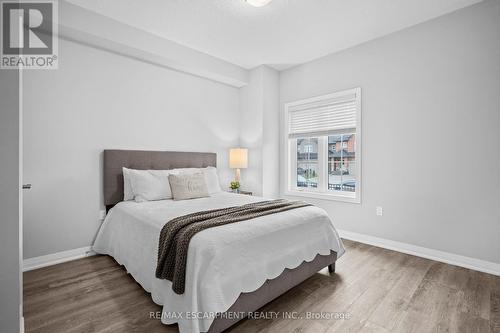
(336, 138)
(345, 153)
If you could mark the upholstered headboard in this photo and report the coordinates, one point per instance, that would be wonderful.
(114, 160)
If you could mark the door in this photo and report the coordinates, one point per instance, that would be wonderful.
(10, 202)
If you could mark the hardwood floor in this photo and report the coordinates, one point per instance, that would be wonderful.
(381, 291)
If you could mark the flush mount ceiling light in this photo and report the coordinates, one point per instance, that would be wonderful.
(258, 3)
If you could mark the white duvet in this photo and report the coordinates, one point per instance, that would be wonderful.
(222, 261)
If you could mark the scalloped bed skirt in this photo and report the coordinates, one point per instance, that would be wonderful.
(272, 289)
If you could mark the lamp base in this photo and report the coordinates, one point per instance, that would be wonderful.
(237, 176)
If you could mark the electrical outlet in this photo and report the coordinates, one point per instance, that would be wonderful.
(379, 211)
(102, 215)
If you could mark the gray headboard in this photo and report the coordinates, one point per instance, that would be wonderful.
(114, 160)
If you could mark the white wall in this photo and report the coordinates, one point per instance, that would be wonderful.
(77, 23)
(270, 133)
(430, 103)
(99, 100)
(431, 116)
(251, 131)
(259, 123)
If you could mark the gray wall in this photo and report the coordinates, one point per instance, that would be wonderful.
(259, 123)
(98, 100)
(431, 116)
(270, 133)
(251, 130)
(10, 288)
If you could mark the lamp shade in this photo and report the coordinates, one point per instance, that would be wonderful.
(258, 3)
(238, 158)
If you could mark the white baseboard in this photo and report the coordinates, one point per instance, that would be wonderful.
(446, 257)
(56, 258)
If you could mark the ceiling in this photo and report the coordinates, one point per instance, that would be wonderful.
(282, 34)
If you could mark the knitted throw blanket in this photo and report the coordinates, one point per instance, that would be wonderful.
(176, 234)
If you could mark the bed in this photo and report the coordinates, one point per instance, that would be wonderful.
(230, 270)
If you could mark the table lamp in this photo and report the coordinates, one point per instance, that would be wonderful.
(238, 159)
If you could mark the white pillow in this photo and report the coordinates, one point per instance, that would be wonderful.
(149, 185)
(127, 187)
(211, 177)
(188, 185)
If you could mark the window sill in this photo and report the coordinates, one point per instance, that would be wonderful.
(324, 196)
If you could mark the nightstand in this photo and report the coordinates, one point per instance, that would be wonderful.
(246, 192)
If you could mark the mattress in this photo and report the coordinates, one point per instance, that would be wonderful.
(223, 261)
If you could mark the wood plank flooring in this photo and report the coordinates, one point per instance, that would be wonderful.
(380, 291)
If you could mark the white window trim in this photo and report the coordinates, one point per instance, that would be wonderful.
(290, 166)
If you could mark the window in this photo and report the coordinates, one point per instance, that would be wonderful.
(322, 136)
(308, 148)
(307, 162)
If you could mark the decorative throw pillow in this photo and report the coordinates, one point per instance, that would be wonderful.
(211, 177)
(188, 186)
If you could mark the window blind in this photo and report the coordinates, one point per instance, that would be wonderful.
(331, 115)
